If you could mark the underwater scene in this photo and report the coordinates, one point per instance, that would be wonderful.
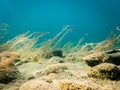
(59, 44)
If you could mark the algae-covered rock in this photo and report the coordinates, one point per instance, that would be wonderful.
(77, 85)
(57, 53)
(7, 76)
(95, 59)
(114, 57)
(53, 53)
(111, 56)
(105, 71)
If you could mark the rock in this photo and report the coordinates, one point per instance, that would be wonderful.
(77, 85)
(95, 59)
(113, 51)
(55, 68)
(54, 53)
(105, 71)
(114, 57)
(8, 76)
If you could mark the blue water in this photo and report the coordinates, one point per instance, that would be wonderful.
(96, 18)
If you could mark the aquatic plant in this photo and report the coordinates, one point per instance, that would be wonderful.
(112, 42)
(24, 44)
(30, 48)
(81, 50)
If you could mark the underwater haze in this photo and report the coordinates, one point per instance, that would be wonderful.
(94, 19)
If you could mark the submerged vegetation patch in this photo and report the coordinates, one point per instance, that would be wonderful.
(30, 49)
